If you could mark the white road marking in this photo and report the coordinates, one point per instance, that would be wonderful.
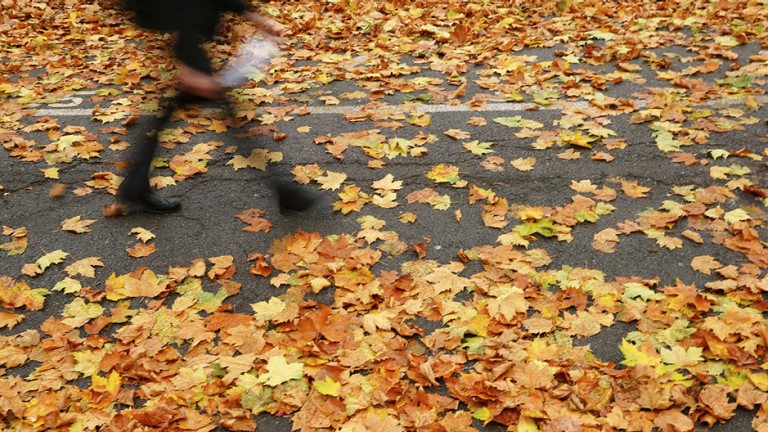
(426, 108)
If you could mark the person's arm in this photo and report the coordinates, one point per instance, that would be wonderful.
(265, 24)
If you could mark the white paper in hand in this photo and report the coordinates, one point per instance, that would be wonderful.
(252, 56)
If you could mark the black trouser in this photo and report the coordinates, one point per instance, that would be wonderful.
(189, 51)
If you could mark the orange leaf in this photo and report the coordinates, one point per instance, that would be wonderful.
(140, 250)
(253, 217)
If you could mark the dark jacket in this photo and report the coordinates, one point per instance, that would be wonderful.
(192, 16)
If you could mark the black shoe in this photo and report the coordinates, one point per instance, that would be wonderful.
(293, 198)
(150, 202)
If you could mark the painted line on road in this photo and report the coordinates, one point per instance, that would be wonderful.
(436, 108)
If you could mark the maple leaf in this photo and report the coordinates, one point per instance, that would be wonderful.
(223, 267)
(50, 173)
(634, 190)
(478, 148)
(147, 284)
(141, 249)
(672, 420)
(84, 267)
(68, 286)
(606, 240)
(142, 234)
(279, 371)
(457, 134)
(705, 264)
(306, 173)
(18, 244)
(10, 319)
(77, 225)
(258, 159)
(18, 294)
(524, 164)
(266, 310)
(420, 119)
(408, 217)
(682, 357)
(218, 126)
(253, 217)
(575, 139)
(387, 183)
(442, 173)
(328, 387)
(55, 257)
(331, 180)
(493, 163)
(78, 312)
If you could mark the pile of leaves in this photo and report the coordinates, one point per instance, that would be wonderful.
(167, 350)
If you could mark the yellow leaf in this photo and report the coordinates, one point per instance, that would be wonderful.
(162, 182)
(87, 361)
(84, 267)
(267, 310)
(218, 126)
(576, 139)
(634, 356)
(737, 215)
(68, 286)
(681, 357)
(524, 164)
(78, 312)
(258, 159)
(387, 184)
(142, 234)
(109, 385)
(280, 371)
(328, 386)
(442, 173)
(51, 173)
(50, 258)
(76, 225)
(331, 180)
(408, 217)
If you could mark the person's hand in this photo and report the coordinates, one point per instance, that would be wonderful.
(266, 25)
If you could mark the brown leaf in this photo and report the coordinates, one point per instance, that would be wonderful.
(141, 249)
(673, 420)
(253, 217)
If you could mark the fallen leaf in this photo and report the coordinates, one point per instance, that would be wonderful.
(77, 225)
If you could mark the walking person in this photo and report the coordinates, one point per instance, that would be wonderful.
(194, 23)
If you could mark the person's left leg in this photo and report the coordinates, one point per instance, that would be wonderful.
(134, 194)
